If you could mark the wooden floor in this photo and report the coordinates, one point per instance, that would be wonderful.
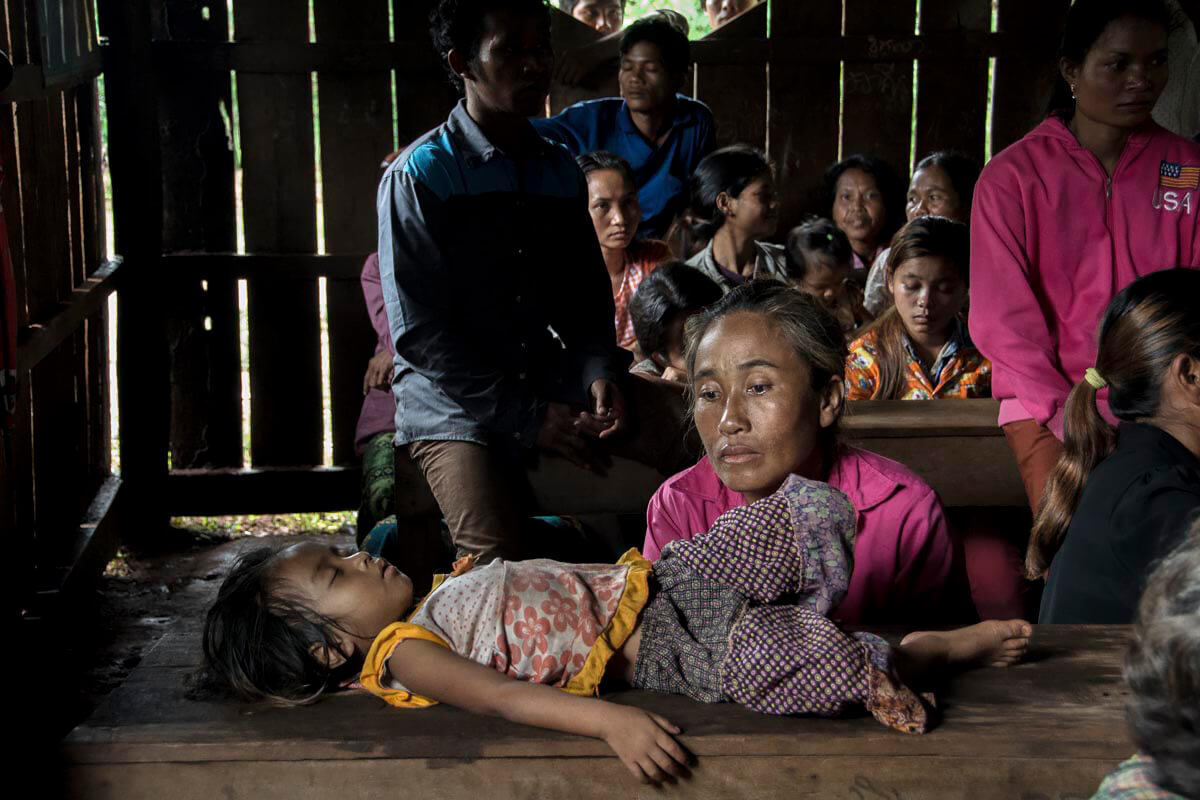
(1049, 728)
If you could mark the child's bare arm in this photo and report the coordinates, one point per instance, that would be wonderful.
(642, 740)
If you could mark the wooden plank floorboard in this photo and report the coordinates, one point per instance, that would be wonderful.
(1053, 724)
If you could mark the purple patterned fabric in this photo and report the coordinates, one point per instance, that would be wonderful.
(740, 615)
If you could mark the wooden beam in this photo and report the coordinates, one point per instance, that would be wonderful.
(372, 56)
(40, 339)
(206, 266)
(906, 419)
(274, 490)
(78, 557)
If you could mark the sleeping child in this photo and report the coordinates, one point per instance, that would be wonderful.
(819, 263)
(736, 615)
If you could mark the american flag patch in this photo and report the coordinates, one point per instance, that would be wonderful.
(1177, 176)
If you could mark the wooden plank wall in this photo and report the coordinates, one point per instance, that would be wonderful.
(57, 454)
(829, 77)
(195, 118)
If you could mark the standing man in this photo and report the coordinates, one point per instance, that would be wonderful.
(662, 134)
(606, 16)
(485, 244)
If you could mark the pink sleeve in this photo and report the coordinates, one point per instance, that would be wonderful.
(1010, 327)
(661, 527)
(372, 288)
(930, 581)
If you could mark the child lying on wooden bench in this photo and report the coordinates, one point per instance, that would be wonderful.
(736, 615)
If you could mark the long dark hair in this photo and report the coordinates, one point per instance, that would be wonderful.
(1147, 325)
(1086, 20)
(728, 170)
(259, 640)
(924, 237)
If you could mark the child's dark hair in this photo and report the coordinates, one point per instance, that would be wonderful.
(728, 170)
(1162, 669)
(961, 169)
(602, 159)
(890, 187)
(801, 320)
(1086, 20)
(458, 25)
(924, 237)
(1146, 326)
(672, 43)
(673, 288)
(259, 641)
(815, 235)
(568, 6)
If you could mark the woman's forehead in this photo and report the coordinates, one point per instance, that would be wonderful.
(741, 338)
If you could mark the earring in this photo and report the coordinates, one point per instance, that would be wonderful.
(1073, 91)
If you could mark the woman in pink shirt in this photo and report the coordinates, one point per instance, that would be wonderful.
(1093, 198)
(765, 365)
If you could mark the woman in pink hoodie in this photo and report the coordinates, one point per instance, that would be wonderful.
(765, 367)
(1093, 198)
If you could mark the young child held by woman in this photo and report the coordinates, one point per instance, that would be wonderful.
(660, 308)
(735, 615)
(919, 348)
(818, 263)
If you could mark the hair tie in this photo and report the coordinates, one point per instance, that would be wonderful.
(829, 237)
(1094, 379)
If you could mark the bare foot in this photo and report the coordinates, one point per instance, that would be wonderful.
(997, 643)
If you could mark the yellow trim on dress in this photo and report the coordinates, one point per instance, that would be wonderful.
(381, 650)
(624, 621)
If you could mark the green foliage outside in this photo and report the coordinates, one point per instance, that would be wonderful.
(690, 9)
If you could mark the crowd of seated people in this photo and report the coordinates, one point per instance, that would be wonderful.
(504, 345)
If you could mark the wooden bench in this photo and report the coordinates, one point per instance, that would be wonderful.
(1048, 728)
(955, 445)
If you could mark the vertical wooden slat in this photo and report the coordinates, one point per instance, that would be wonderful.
(74, 189)
(424, 98)
(44, 201)
(878, 94)
(737, 93)
(952, 95)
(803, 129)
(279, 213)
(136, 169)
(199, 215)
(356, 134)
(1023, 84)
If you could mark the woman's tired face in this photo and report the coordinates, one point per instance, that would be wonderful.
(756, 411)
(1122, 74)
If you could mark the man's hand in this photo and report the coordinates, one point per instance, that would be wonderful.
(559, 434)
(674, 375)
(379, 372)
(607, 416)
(645, 743)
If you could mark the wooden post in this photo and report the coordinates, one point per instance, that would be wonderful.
(137, 210)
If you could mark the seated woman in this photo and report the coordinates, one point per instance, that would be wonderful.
(616, 214)
(818, 263)
(663, 303)
(1118, 500)
(765, 365)
(1162, 669)
(919, 349)
(942, 186)
(733, 207)
(866, 199)
(376, 428)
(736, 615)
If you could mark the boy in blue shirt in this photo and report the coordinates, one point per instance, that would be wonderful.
(661, 133)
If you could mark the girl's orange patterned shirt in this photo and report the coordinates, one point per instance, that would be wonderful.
(965, 373)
